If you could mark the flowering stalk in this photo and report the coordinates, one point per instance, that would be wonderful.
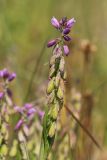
(5, 110)
(56, 88)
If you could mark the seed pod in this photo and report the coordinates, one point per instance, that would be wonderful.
(52, 60)
(52, 130)
(65, 76)
(3, 129)
(50, 86)
(4, 149)
(60, 93)
(54, 111)
(57, 79)
(13, 151)
(52, 71)
(51, 97)
(62, 64)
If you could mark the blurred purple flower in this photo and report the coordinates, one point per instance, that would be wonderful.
(4, 73)
(1, 95)
(70, 23)
(66, 50)
(19, 124)
(40, 113)
(67, 38)
(18, 109)
(31, 111)
(12, 76)
(51, 43)
(55, 23)
(66, 31)
(28, 106)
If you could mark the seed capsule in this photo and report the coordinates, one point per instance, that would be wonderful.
(52, 130)
(4, 149)
(52, 71)
(60, 93)
(57, 79)
(51, 97)
(65, 76)
(52, 60)
(54, 111)
(50, 86)
(62, 64)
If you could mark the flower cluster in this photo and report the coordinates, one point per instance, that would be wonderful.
(27, 112)
(64, 27)
(7, 77)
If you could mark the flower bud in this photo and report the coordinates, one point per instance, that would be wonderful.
(12, 76)
(67, 38)
(51, 43)
(55, 23)
(66, 31)
(70, 23)
(50, 86)
(66, 50)
(52, 130)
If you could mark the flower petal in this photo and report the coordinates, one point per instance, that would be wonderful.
(51, 43)
(66, 50)
(55, 22)
(70, 23)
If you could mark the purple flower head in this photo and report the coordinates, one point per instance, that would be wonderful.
(19, 124)
(12, 76)
(70, 23)
(55, 23)
(51, 43)
(1, 95)
(64, 27)
(66, 50)
(66, 31)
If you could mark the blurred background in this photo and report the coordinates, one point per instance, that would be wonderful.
(25, 29)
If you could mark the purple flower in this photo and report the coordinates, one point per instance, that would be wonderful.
(31, 111)
(55, 23)
(51, 43)
(63, 21)
(12, 76)
(67, 38)
(40, 113)
(70, 23)
(1, 95)
(19, 124)
(4, 73)
(66, 50)
(18, 109)
(28, 106)
(66, 31)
